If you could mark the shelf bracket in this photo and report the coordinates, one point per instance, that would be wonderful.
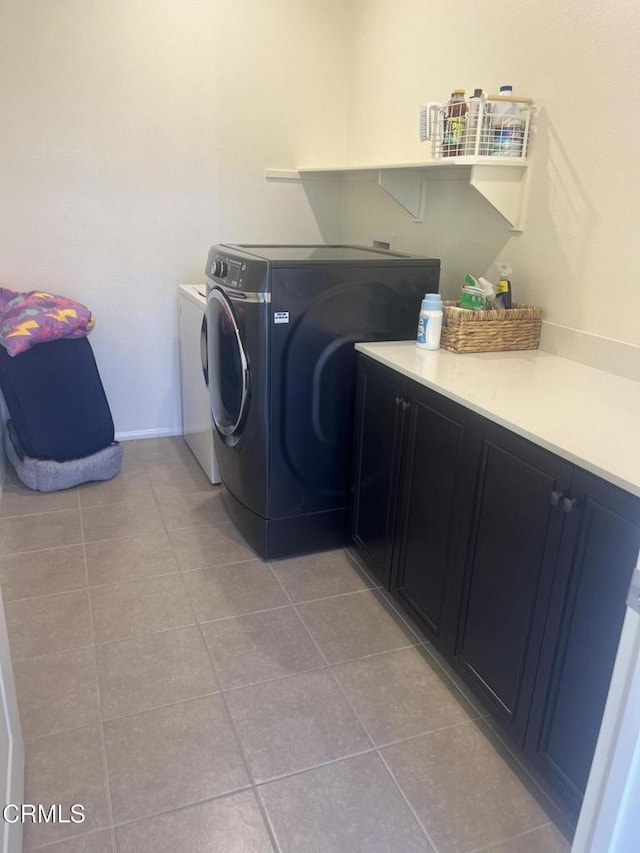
(406, 188)
(505, 188)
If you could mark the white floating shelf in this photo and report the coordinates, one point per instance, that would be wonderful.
(503, 181)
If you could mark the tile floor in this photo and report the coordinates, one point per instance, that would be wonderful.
(194, 698)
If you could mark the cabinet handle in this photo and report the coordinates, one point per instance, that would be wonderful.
(556, 497)
(569, 504)
(398, 401)
(406, 404)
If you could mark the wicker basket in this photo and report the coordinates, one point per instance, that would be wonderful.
(490, 331)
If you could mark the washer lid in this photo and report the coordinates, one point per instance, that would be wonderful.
(196, 293)
(318, 253)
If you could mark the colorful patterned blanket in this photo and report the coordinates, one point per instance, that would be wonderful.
(27, 319)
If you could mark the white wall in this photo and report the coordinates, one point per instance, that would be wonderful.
(577, 257)
(135, 134)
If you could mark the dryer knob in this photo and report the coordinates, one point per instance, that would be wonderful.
(219, 269)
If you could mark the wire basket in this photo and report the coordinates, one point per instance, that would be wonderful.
(497, 126)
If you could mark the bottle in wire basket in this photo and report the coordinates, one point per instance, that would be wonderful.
(454, 124)
(472, 145)
(508, 126)
(503, 287)
(430, 322)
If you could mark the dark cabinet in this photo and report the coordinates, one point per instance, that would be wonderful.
(599, 547)
(435, 505)
(515, 562)
(377, 443)
(515, 535)
(410, 496)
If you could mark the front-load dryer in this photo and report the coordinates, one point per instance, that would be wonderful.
(281, 324)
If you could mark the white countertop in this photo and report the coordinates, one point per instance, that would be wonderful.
(588, 416)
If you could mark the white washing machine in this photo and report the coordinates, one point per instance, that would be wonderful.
(197, 426)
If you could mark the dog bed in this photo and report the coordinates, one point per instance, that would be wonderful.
(47, 475)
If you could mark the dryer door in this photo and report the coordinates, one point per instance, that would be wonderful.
(227, 366)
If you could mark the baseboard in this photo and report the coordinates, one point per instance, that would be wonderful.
(147, 433)
(608, 354)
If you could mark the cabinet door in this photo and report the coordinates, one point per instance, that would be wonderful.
(378, 433)
(509, 570)
(436, 503)
(599, 549)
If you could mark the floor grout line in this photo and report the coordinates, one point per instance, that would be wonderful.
(263, 783)
(219, 565)
(236, 689)
(43, 512)
(331, 597)
(512, 837)
(40, 550)
(195, 624)
(245, 760)
(51, 844)
(407, 801)
(199, 802)
(103, 743)
(283, 677)
(240, 745)
(145, 817)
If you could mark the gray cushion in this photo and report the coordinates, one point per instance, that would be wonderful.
(46, 475)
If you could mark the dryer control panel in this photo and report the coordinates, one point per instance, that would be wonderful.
(236, 270)
(229, 270)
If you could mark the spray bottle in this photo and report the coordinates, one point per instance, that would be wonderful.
(503, 287)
